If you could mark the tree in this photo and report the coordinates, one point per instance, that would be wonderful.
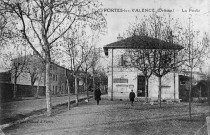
(101, 78)
(17, 68)
(95, 63)
(158, 61)
(3, 22)
(12, 50)
(196, 49)
(140, 58)
(164, 59)
(86, 66)
(7, 32)
(35, 67)
(75, 47)
(47, 21)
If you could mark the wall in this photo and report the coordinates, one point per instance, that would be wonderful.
(121, 90)
(6, 91)
(167, 86)
(28, 91)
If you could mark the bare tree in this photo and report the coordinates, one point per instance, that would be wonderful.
(17, 68)
(140, 58)
(86, 66)
(7, 32)
(159, 61)
(75, 48)
(94, 63)
(101, 77)
(48, 21)
(163, 59)
(3, 22)
(196, 49)
(35, 67)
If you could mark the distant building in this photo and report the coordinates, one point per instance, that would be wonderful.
(196, 76)
(57, 75)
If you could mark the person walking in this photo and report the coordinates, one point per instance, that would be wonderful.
(132, 96)
(97, 95)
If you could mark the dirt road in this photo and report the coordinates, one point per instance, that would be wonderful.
(117, 118)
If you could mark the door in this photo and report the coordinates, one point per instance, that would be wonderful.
(141, 86)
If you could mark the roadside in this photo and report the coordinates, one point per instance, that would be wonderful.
(117, 118)
(12, 112)
(41, 97)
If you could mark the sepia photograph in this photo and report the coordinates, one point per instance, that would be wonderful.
(104, 67)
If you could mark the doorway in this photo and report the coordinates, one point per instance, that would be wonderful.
(141, 86)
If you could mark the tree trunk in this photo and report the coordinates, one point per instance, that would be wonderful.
(48, 93)
(32, 86)
(15, 89)
(159, 91)
(146, 89)
(86, 87)
(208, 98)
(174, 86)
(37, 89)
(190, 91)
(94, 86)
(32, 89)
(76, 89)
(69, 101)
(200, 93)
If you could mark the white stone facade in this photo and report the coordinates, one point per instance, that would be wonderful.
(125, 79)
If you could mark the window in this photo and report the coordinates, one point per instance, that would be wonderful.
(123, 60)
(182, 82)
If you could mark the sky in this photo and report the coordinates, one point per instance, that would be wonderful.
(121, 13)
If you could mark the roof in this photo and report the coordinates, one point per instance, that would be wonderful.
(202, 82)
(195, 72)
(30, 57)
(139, 42)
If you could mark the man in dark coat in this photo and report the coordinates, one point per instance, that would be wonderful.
(97, 95)
(132, 96)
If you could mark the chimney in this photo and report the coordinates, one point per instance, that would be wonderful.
(119, 37)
